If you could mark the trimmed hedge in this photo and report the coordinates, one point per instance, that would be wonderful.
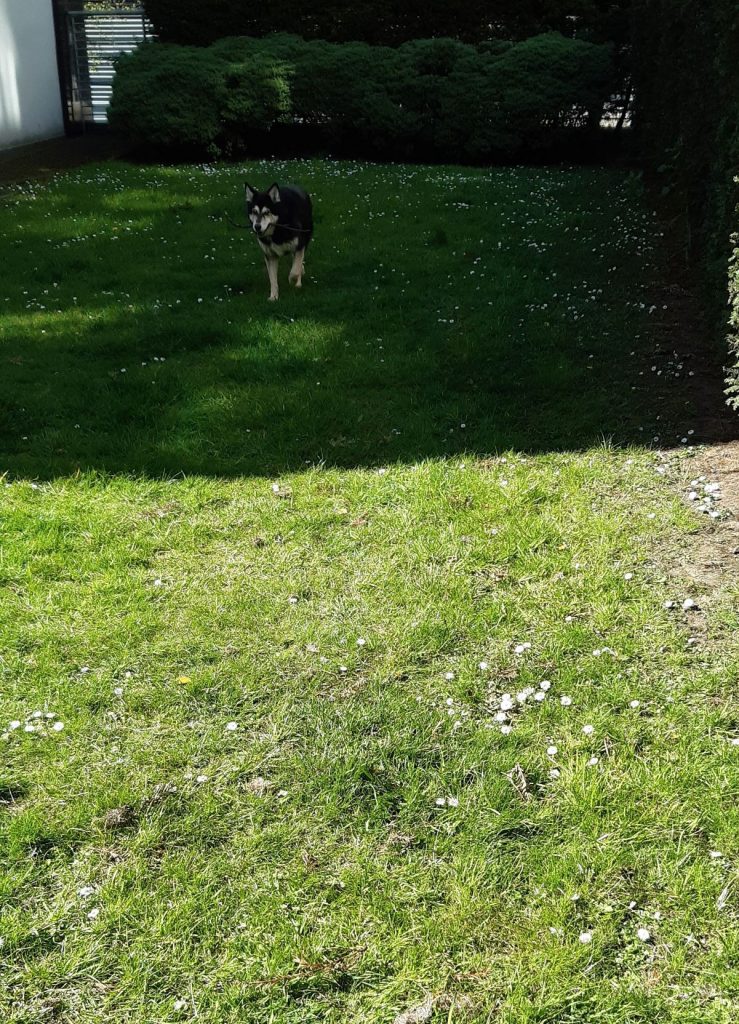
(434, 98)
(686, 67)
(185, 96)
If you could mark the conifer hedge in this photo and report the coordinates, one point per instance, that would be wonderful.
(686, 69)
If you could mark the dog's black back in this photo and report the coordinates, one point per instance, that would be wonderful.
(282, 216)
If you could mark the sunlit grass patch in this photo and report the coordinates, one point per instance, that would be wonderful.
(336, 675)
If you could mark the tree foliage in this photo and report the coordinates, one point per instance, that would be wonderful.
(387, 22)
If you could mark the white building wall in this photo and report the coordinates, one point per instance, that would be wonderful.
(30, 101)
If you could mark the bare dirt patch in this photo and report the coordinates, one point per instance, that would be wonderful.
(719, 464)
(702, 572)
(706, 567)
(714, 550)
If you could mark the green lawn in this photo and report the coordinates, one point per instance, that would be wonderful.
(352, 611)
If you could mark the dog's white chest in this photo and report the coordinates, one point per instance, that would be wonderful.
(270, 249)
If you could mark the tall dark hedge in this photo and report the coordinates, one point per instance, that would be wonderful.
(436, 99)
(686, 68)
(387, 22)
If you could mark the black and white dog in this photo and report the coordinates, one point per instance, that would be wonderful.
(282, 220)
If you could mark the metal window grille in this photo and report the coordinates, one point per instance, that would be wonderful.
(94, 39)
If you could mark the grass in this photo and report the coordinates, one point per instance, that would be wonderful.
(337, 524)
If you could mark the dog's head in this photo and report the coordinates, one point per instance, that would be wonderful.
(262, 209)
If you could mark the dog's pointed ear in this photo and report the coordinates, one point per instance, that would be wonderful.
(248, 192)
(274, 193)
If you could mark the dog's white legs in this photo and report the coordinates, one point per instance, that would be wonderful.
(296, 271)
(274, 291)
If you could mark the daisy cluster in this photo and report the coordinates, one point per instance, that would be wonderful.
(39, 723)
(508, 708)
(705, 495)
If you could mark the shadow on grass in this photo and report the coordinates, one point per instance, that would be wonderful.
(152, 359)
(255, 398)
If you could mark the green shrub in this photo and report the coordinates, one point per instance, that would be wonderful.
(553, 84)
(185, 96)
(350, 90)
(339, 92)
(442, 90)
(433, 98)
(257, 95)
(172, 94)
(479, 102)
